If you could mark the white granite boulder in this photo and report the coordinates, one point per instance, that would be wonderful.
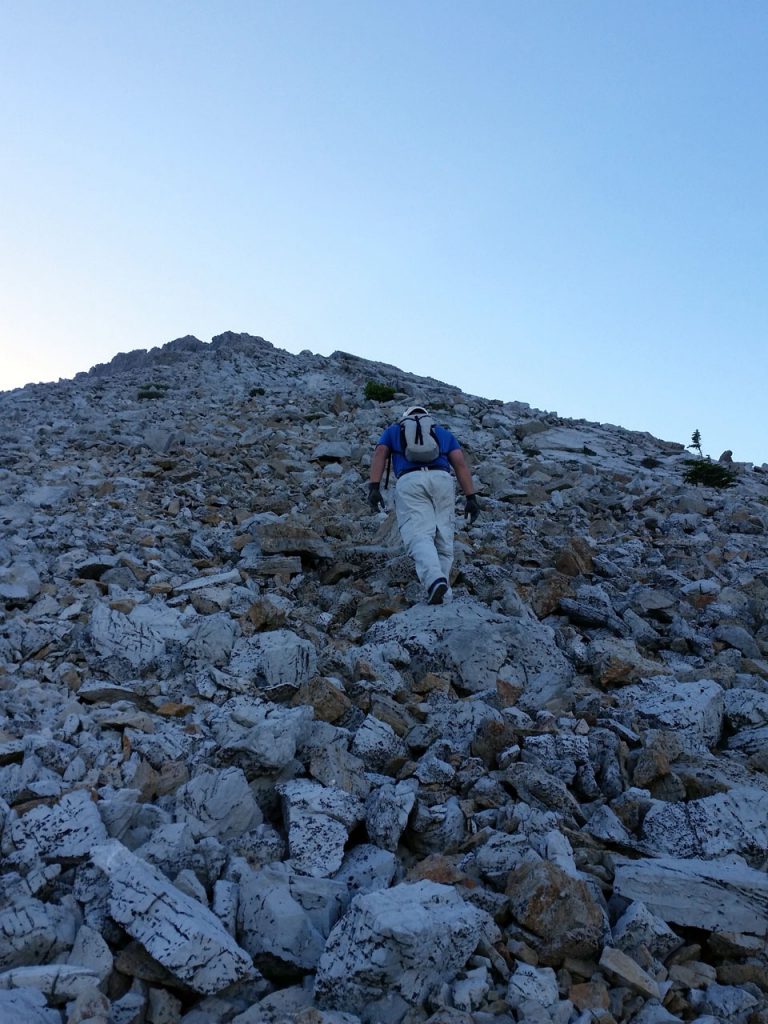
(407, 940)
(732, 822)
(277, 663)
(532, 986)
(565, 756)
(217, 803)
(331, 451)
(570, 441)
(178, 931)
(367, 868)
(26, 1006)
(319, 819)
(34, 932)
(213, 639)
(92, 951)
(272, 923)
(469, 992)
(497, 855)
(750, 742)
(638, 927)
(693, 710)
(212, 581)
(455, 723)
(48, 495)
(377, 745)
(436, 827)
(725, 1002)
(746, 708)
(386, 812)
(69, 828)
(19, 582)
(59, 982)
(259, 734)
(139, 637)
(738, 638)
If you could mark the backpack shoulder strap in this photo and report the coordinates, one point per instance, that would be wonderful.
(401, 438)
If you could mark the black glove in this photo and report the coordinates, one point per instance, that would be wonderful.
(375, 499)
(471, 509)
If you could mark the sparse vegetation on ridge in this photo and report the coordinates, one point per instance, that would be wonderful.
(379, 392)
(703, 471)
(156, 389)
(707, 473)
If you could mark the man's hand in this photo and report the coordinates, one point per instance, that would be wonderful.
(375, 499)
(471, 508)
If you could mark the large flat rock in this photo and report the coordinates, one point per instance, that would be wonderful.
(732, 822)
(718, 895)
(476, 646)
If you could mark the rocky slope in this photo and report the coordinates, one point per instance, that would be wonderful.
(246, 776)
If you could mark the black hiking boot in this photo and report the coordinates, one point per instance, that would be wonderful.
(437, 591)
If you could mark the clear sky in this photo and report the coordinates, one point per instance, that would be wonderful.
(561, 202)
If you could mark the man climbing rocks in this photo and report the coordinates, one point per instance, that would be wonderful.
(423, 455)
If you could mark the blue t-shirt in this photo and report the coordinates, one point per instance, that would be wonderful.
(445, 439)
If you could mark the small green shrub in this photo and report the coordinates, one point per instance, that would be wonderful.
(155, 389)
(256, 391)
(649, 462)
(708, 473)
(379, 392)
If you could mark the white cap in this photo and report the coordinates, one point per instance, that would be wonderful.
(412, 409)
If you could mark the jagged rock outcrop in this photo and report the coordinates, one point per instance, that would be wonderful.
(246, 775)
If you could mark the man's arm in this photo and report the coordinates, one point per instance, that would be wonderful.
(378, 463)
(461, 469)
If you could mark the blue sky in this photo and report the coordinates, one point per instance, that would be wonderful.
(561, 202)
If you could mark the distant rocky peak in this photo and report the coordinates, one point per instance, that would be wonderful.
(234, 342)
(178, 349)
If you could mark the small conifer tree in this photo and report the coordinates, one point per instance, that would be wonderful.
(696, 441)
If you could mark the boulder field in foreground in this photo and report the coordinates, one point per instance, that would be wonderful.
(248, 777)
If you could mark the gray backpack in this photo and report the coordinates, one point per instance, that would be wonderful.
(418, 440)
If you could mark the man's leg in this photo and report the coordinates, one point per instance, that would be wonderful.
(416, 519)
(444, 498)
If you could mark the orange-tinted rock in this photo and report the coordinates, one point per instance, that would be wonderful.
(556, 908)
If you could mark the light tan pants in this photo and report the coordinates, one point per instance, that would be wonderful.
(425, 510)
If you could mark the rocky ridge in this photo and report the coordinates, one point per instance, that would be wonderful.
(246, 777)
